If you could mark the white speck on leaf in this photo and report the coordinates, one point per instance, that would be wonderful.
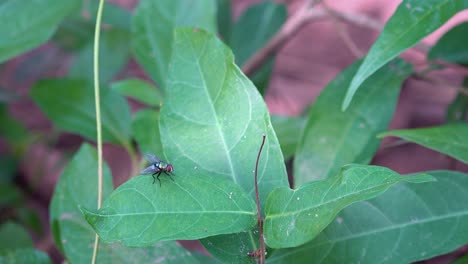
(230, 195)
(196, 168)
(408, 5)
(316, 215)
(339, 220)
(298, 198)
(362, 125)
(323, 140)
(291, 226)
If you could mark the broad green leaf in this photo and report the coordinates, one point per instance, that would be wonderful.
(114, 53)
(24, 255)
(13, 236)
(224, 18)
(462, 260)
(193, 206)
(233, 248)
(138, 90)
(145, 130)
(419, 221)
(294, 217)
(411, 22)
(449, 139)
(26, 25)
(251, 32)
(78, 187)
(153, 31)
(287, 130)
(70, 105)
(333, 138)
(213, 118)
(449, 47)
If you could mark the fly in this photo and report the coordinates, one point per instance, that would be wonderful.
(156, 167)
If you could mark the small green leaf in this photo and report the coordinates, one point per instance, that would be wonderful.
(192, 206)
(449, 47)
(411, 22)
(333, 138)
(458, 108)
(294, 217)
(257, 24)
(10, 128)
(70, 105)
(26, 25)
(449, 139)
(419, 221)
(24, 255)
(138, 90)
(213, 118)
(78, 187)
(145, 130)
(287, 128)
(113, 56)
(152, 42)
(233, 248)
(11, 195)
(13, 236)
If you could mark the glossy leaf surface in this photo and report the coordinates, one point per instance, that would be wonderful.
(294, 217)
(152, 39)
(24, 255)
(78, 187)
(449, 139)
(411, 22)
(69, 104)
(333, 138)
(140, 213)
(418, 221)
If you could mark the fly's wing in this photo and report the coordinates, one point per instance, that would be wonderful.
(152, 158)
(150, 170)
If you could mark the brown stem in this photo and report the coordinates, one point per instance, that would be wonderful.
(257, 200)
(292, 25)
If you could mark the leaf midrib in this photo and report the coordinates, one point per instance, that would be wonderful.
(172, 213)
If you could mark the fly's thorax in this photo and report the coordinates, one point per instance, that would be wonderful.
(162, 165)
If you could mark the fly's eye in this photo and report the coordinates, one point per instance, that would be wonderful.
(169, 168)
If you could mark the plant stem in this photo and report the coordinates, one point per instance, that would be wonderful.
(257, 200)
(97, 32)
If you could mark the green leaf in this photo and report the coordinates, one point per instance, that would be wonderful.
(24, 255)
(294, 217)
(333, 138)
(192, 206)
(419, 221)
(411, 22)
(462, 260)
(257, 24)
(233, 248)
(145, 130)
(26, 25)
(224, 18)
(449, 139)
(11, 195)
(13, 236)
(9, 166)
(78, 187)
(114, 53)
(138, 90)
(458, 109)
(70, 105)
(449, 47)
(287, 128)
(152, 42)
(213, 118)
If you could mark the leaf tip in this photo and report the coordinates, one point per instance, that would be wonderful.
(420, 178)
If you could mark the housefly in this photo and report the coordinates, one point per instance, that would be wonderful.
(156, 167)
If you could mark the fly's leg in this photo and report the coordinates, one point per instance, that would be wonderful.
(154, 178)
(159, 174)
(170, 176)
